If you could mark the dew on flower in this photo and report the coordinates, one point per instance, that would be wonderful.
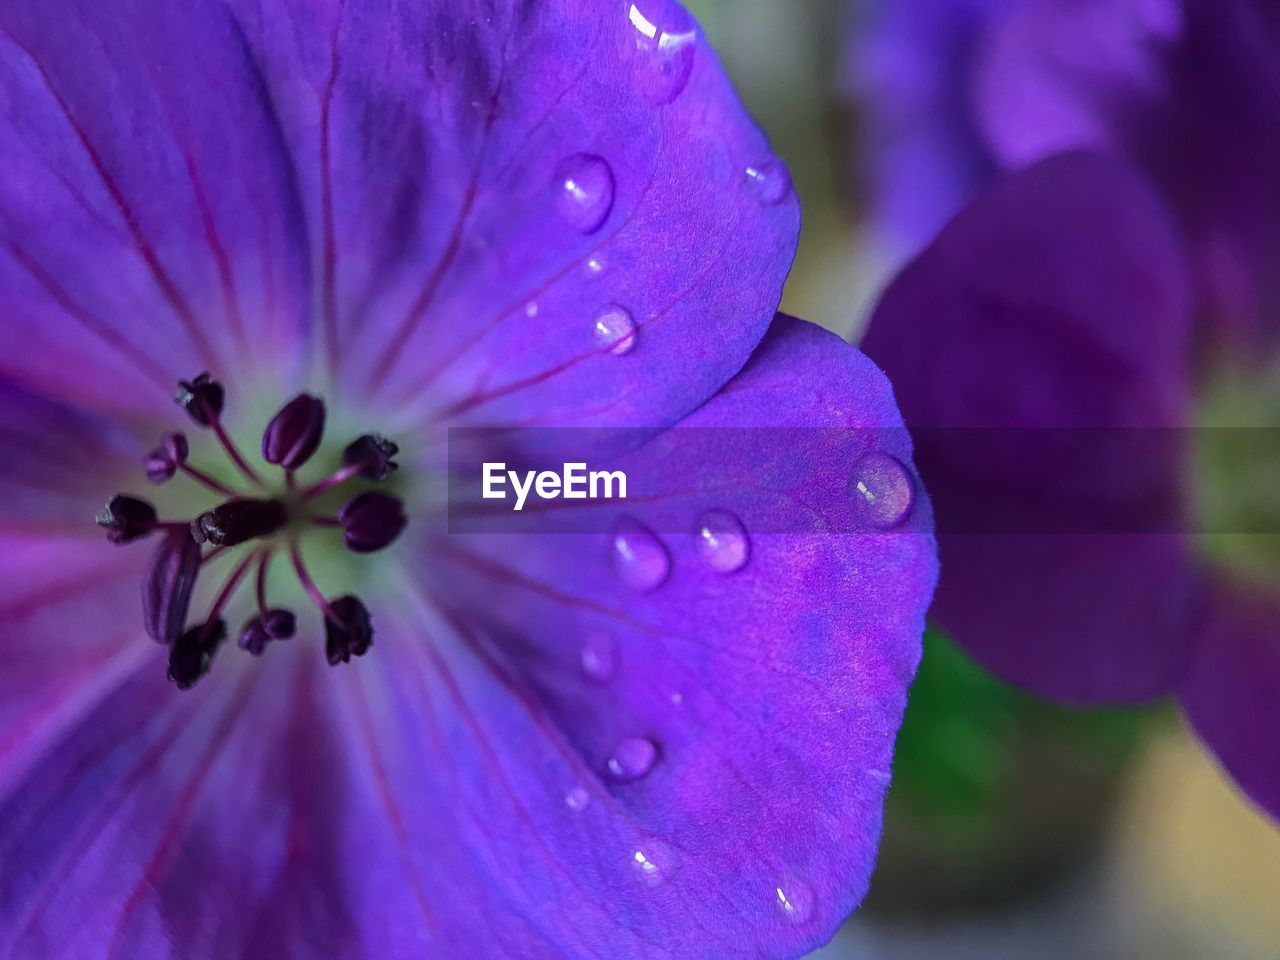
(770, 179)
(881, 490)
(794, 900)
(577, 799)
(664, 37)
(599, 657)
(639, 557)
(265, 519)
(654, 861)
(632, 759)
(615, 330)
(594, 266)
(584, 191)
(722, 542)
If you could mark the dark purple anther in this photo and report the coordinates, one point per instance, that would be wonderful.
(163, 462)
(238, 521)
(278, 624)
(373, 453)
(294, 433)
(127, 518)
(352, 636)
(167, 585)
(192, 653)
(202, 398)
(371, 520)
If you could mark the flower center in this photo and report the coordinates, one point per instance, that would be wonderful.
(255, 518)
(1236, 462)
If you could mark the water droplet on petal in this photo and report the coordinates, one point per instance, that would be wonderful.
(615, 330)
(665, 38)
(584, 191)
(577, 799)
(632, 759)
(722, 541)
(794, 901)
(599, 657)
(639, 557)
(594, 266)
(654, 861)
(771, 180)
(531, 309)
(882, 490)
(677, 699)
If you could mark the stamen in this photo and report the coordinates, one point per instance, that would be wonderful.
(275, 624)
(163, 462)
(338, 479)
(238, 521)
(309, 585)
(127, 518)
(192, 653)
(203, 399)
(371, 521)
(351, 634)
(167, 585)
(199, 476)
(294, 433)
(374, 452)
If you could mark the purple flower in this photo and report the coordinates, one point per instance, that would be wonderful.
(1078, 318)
(424, 215)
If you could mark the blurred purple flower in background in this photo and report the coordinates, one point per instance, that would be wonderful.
(1113, 278)
(421, 215)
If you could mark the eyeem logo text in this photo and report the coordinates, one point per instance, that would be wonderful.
(573, 482)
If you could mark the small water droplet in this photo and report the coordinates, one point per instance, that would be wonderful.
(722, 541)
(677, 699)
(632, 759)
(771, 180)
(639, 557)
(615, 330)
(577, 799)
(594, 266)
(882, 490)
(599, 657)
(654, 861)
(584, 191)
(665, 38)
(794, 901)
(531, 309)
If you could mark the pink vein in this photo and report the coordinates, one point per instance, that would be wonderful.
(167, 287)
(190, 792)
(330, 254)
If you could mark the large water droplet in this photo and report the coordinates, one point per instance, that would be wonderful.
(584, 191)
(882, 490)
(639, 557)
(722, 541)
(654, 861)
(632, 759)
(615, 330)
(665, 38)
(599, 657)
(794, 900)
(577, 799)
(771, 180)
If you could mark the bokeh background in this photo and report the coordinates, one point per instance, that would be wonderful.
(1014, 828)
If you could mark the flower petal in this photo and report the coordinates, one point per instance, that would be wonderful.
(1188, 91)
(1231, 692)
(1041, 342)
(485, 181)
(61, 464)
(706, 752)
(148, 230)
(911, 66)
